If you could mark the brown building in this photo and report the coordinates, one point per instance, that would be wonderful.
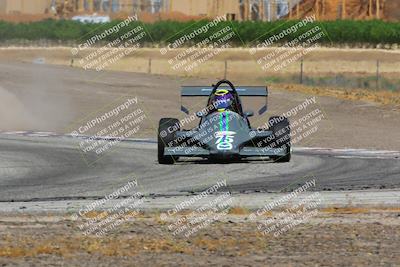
(208, 8)
(24, 6)
(235, 9)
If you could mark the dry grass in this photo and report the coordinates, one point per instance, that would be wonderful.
(147, 235)
(239, 211)
(379, 97)
(358, 210)
(67, 246)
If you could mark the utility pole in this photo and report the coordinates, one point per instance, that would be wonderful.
(262, 10)
(149, 67)
(91, 6)
(274, 11)
(226, 69)
(301, 71)
(246, 10)
(215, 8)
(290, 9)
(22, 7)
(377, 10)
(377, 74)
(317, 8)
(343, 9)
(370, 9)
(81, 6)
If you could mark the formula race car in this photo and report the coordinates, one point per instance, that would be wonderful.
(224, 133)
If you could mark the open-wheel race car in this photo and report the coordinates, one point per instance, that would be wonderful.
(224, 133)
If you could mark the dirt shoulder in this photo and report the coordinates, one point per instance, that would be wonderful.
(339, 238)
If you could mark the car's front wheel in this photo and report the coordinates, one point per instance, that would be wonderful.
(166, 136)
(281, 132)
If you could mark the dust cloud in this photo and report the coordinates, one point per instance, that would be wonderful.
(35, 99)
(13, 114)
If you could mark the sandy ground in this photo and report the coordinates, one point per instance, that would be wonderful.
(341, 238)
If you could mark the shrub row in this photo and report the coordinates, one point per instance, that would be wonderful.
(343, 31)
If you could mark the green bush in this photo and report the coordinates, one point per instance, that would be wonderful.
(341, 31)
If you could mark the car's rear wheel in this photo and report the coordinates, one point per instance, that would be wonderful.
(166, 136)
(281, 131)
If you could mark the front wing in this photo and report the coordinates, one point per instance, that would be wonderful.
(244, 152)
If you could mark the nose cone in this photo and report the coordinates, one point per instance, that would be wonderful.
(225, 132)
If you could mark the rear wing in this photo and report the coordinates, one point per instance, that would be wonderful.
(196, 91)
(241, 90)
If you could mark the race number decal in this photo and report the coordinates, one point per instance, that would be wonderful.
(224, 140)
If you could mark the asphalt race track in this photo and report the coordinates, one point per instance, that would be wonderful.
(41, 168)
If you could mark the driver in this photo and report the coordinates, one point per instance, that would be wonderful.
(222, 100)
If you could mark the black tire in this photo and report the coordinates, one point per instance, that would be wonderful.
(281, 130)
(165, 137)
